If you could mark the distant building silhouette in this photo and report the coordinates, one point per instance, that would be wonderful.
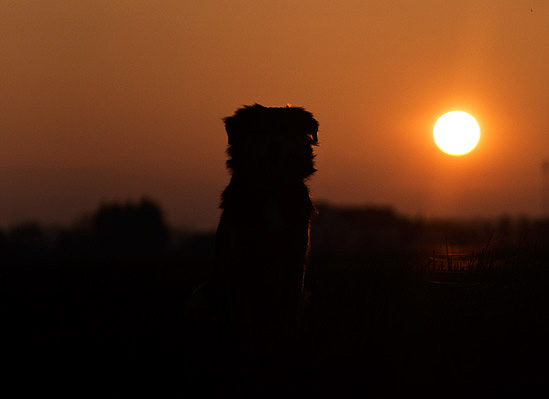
(355, 230)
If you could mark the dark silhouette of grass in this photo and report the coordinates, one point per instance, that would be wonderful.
(385, 329)
(380, 322)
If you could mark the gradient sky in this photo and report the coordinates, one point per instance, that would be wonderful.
(113, 100)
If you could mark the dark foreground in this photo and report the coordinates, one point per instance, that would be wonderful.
(383, 324)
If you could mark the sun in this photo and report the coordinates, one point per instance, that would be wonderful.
(456, 133)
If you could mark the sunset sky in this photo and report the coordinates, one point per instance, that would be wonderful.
(113, 100)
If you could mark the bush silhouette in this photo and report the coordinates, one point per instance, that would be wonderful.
(129, 229)
(26, 242)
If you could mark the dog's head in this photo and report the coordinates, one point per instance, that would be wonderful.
(272, 142)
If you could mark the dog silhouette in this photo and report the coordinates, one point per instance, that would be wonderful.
(262, 238)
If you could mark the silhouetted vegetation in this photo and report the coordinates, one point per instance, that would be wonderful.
(130, 229)
(100, 304)
(122, 231)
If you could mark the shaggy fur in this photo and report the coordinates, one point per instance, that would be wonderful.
(263, 234)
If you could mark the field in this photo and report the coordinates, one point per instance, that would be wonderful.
(385, 324)
(400, 327)
(393, 307)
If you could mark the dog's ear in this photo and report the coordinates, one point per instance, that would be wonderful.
(236, 124)
(312, 129)
(231, 127)
(242, 121)
(308, 125)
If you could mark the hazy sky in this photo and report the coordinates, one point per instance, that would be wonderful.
(113, 100)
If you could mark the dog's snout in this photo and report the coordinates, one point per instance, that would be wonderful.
(275, 153)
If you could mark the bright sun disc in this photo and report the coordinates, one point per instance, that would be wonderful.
(456, 133)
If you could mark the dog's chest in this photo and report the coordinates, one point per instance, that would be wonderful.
(273, 216)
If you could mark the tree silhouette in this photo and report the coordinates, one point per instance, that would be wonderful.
(129, 229)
